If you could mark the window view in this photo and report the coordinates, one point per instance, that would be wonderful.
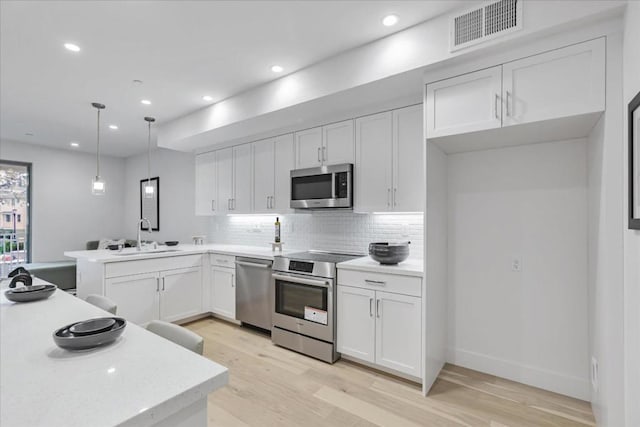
(14, 214)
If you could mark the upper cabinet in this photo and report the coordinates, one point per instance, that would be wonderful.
(466, 103)
(224, 175)
(206, 188)
(234, 177)
(389, 172)
(327, 145)
(272, 164)
(566, 85)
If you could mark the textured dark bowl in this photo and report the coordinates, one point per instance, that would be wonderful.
(172, 243)
(92, 326)
(389, 253)
(64, 338)
(30, 293)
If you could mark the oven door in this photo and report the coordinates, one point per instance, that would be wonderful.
(304, 305)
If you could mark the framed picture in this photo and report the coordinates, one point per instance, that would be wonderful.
(150, 206)
(634, 163)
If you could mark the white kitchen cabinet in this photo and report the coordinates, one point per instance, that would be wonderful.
(327, 145)
(374, 165)
(408, 160)
(466, 103)
(389, 162)
(398, 332)
(356, 323)
(137, 296)
(242, 178)
(272, 163)
(206, 187)
(223, 291)
(378, 326)
(559, 83)
(308, 145)
(180, 293)
(224, 175)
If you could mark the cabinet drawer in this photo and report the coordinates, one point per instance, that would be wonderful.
(219, 260)
(125, 268)
(406, 285)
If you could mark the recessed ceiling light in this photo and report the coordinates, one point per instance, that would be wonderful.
(390, 20)
(146, 102)
(29, 134)
(74, 144)
(277, 69)
(137, 82)
(207, 98)
(72, 47)
(113, 127)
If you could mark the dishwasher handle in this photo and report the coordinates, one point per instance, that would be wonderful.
(252, 264)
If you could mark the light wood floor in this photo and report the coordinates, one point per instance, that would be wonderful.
(272, 386)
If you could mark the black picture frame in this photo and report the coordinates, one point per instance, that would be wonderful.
(150, 207)
(634, 163)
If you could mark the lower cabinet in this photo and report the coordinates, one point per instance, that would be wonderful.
(167, 295)
(223, 291)
(381, 327)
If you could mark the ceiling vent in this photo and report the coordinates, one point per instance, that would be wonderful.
(484, 23)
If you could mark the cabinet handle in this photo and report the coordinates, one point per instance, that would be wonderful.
(395, 197)
(268, 199)
(319, 155)
(213, 205)
(388, 197)
(233, 280)
(324, 154)
(157, 284)
(375, 282)
(272, 202)
(229, 204)
(508, 111)
(233, 203)
(163, 283)
(495, 106)
(378, 308)
(370, 307)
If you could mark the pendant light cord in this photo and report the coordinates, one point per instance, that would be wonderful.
(149, 157)
(98, 150)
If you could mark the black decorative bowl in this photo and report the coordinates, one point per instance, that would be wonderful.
(30, 293)
(172, 243)
(389, 253)
(85, 338)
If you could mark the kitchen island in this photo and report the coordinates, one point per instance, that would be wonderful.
(139, 380)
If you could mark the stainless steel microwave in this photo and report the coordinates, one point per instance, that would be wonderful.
(322, 187)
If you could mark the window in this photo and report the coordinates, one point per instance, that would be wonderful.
(19, 218)
(15, 221)
(7, 218)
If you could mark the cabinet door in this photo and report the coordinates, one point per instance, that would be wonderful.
(206, 183)
(559, 83)
(263, 175)
(284, 162)
(308, 148)
(337, 143)
(180, 293)
(136, 296)
(398, 332)
(408, 160)
(356, 322)
(373, 180)
(466, 103)
(242, 177)
(225, 180)
(223, 295)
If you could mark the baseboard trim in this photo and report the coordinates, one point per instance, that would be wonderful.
(576, 387)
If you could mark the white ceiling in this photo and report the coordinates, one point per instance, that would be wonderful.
(181, 50)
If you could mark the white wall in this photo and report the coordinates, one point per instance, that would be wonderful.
(606, 224)
(346, 231)
(527, 202)
(631, 79)
(177, 195)
(65, 215)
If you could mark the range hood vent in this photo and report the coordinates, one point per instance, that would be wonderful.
(485, 23)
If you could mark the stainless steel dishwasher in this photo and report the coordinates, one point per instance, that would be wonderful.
(253, 292)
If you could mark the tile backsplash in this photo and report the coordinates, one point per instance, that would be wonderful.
(336, 231)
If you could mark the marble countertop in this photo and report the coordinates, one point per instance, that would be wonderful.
(129, 254)
(410, 267)
(138, 380)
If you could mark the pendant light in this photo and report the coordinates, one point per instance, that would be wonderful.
(98, 186)
(149, 191)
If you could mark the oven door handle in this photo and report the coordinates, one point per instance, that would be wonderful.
(294, 279)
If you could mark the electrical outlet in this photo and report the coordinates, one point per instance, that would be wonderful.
(405, 230)
(594, 373)
(516, 264)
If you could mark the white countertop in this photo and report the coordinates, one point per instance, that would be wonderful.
(138, 380)
(105, 255)
(409, 267)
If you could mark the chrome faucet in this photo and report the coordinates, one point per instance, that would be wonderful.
(142, 220)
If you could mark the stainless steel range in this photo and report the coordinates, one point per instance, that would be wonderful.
(304, 318)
